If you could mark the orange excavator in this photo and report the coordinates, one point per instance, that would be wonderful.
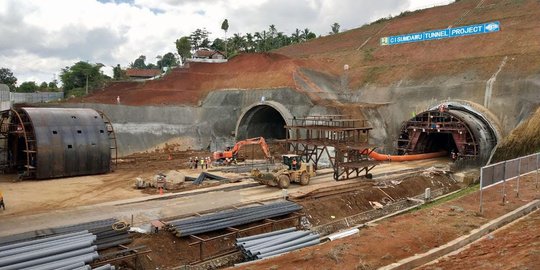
(233, 153)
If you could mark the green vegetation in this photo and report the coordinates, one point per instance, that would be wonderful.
(262, 41)
(7, 78)
(459, 194)
(82, 75)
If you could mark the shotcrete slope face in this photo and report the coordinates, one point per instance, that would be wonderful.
(262, 121)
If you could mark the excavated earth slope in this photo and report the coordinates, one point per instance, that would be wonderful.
(461, 59)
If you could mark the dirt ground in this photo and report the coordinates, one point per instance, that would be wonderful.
(517, 246)
(414, 233)
(322, 210)
(33, 196)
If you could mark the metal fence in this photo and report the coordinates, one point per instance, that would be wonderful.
(501, 172)
(38, 97)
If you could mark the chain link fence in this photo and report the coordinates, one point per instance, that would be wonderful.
(501, 172)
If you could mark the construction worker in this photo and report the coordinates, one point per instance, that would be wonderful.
(2, 200)
(196, 163)
(294, 164)
(202, 163)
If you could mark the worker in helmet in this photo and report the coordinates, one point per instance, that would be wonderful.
(294, 164)
(2, 200)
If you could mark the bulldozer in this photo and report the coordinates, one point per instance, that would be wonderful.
(292, 170)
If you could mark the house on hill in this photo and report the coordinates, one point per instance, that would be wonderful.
(206, 53)
(142, 74)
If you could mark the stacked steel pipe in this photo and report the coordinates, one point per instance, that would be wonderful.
(68, 247)
(67, 251)
(229, 218)
(275, 243)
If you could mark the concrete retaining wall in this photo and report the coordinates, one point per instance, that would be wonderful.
(208, 126)
(212, 123)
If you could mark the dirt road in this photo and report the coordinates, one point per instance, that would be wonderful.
(74, 200)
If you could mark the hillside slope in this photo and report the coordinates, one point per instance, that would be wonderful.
(458, 60)
(470, 58)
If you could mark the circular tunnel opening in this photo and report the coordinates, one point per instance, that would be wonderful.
(450, 129)
(262, 121)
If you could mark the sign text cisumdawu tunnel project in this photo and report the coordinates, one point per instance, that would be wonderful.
(467, 30)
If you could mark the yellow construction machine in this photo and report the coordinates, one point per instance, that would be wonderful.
(292, 170)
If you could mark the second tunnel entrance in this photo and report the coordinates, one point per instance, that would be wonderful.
(262, 120)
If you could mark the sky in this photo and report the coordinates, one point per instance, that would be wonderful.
(40, 37)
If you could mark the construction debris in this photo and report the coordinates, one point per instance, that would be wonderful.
(169, 180)
(205, 175)
(275, 243)
(228, 218)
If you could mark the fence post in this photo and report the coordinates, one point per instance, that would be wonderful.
(537, 155)
(481, 195)
(519, 174)
(504, 183)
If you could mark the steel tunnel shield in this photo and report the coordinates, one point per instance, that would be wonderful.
(69, 142)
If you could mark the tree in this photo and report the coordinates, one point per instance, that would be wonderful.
(167, 60)
(197, 38)
(43, 86)
(335, 28)
(218, 45)
(7, 78)
(307, 34)
(225, 28)
(82, 75)
(183, 46)
(28, 87)
(118, 73)
(53, 86)
(139, 63)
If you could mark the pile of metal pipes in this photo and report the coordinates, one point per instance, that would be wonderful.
(66, 251)
(108, 232)
(104, 267)
(275, 243)
(228, 218)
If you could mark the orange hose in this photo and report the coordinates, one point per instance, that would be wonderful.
(381, 157)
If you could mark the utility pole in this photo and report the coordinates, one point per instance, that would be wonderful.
(86, 84)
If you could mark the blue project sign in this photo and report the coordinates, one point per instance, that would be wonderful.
(461, 31)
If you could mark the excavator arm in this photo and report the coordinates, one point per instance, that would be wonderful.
(234, 151)
(258, 140)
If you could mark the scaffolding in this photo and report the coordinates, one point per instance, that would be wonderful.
(344, 140)
(414, 133)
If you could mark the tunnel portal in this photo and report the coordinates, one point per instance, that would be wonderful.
(448, 128)
(263, 120)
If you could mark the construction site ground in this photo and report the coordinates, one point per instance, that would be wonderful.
(431, 226)
(73, 200)
(66, 201)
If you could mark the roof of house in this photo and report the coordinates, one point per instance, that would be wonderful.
(207, 53)
(145, 73)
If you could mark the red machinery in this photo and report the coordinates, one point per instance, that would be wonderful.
(232, 154)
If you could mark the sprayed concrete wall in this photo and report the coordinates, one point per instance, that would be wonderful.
(211, 125)
(504, 100)
(509, 101)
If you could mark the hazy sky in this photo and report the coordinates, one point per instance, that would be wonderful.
(39, 37)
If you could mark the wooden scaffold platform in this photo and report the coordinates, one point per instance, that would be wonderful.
(342, 138)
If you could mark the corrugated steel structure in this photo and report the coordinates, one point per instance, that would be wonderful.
(58, 142)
